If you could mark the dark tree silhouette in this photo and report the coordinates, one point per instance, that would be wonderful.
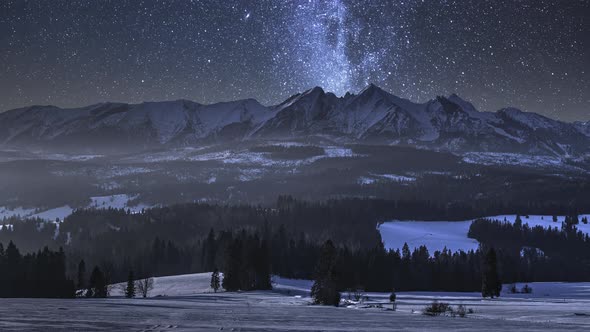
(145, 286)
(81, 275)
(130, 289)
(324, 289)
(490, 282)
(97, 286)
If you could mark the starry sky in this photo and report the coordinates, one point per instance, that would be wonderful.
(530, 54)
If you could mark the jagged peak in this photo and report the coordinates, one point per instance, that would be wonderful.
(316, 90)
(455, 98)
(371, 89)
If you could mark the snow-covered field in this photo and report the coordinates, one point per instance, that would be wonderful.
(116, 202)
(185, 303)
(372, 178)
(436, 235)
(102, 202)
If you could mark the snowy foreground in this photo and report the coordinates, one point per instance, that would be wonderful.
(436, 235)
(185, 303)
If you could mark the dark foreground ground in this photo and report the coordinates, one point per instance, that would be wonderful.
(264, 311)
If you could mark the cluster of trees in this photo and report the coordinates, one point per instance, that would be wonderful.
(560, 253)
(99, 285)
(39, 274)
(375, 269)
(96, 286)
(326, 288)
(247, 264)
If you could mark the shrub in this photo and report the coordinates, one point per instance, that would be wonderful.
(437, 308)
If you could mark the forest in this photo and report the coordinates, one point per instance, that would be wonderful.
(286, 240)
(40, 274)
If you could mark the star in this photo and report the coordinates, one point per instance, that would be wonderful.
(506, 53)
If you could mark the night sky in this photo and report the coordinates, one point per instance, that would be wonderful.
(531, 54)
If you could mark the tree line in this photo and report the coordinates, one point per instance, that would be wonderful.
(287, 240)
(558, 253)
(39, 274)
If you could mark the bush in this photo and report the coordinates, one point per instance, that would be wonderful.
(356, 295)
(441, 308)
(437, 308)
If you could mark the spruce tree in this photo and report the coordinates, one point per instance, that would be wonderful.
(490, 281)
(97, 287)
(324, 289)
(215, 280)
(130, 289)
(81, 275)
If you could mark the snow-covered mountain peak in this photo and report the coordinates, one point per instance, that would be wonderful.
(373, 115)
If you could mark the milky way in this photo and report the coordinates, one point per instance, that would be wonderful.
(531, 54)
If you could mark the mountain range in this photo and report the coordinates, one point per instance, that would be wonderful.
(372, 116)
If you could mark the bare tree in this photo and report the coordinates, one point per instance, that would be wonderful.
(144, 286)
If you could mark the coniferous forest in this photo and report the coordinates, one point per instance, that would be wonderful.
(249, 244)
(38, 274)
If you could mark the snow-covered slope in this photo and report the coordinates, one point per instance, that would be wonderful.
(119, 126)
(179, 285)
(200, 283)
(374, 115)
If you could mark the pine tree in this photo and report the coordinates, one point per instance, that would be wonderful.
(215, 280)
(518, 222)
(130, 289)
(324, 289)
(97, 287)
(81, 275)
(491, 284)
(14, 270)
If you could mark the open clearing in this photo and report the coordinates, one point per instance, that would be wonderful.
(184, 303)
(436, 235)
